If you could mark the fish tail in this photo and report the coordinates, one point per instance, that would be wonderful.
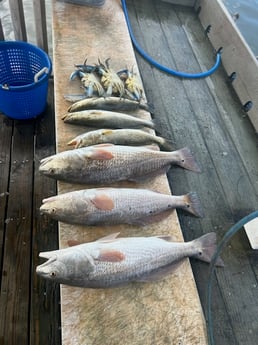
(207, 246)
(192, 204)
(187, 161)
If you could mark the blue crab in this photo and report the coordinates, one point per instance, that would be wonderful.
(89, 79)
(133, 85)
(110, 79)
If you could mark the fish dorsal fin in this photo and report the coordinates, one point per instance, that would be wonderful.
(72, 243)
(103, 202)
(100, 152)
(109, 238)
(160, 273)
(110, 255)
(167, 238)
(106, 132)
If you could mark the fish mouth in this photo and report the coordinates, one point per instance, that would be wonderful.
(44, 269)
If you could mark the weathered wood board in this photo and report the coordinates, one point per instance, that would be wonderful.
(165, 312)
(236, 57)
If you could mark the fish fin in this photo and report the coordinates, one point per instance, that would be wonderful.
(193, 204)
(167, 238)
(207, 247)
(100, 154)
(72, 243)
(153, 147)
(110, 255)
(103, 202)
(166, 144)
(160, 273)
(187, 161)
(109, 238)
(107, 132)
(73, 142)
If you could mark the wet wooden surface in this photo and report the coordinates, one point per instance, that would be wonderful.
(163, 312)
(29, 307)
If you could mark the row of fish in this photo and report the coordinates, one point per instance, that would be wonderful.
(115, 152)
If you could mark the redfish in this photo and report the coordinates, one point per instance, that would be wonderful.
(116, 206)
(112, 261)
(104, 164)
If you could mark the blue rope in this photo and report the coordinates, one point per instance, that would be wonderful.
(228, 235)
(164, 68)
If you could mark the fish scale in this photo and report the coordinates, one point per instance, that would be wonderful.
(104, 164)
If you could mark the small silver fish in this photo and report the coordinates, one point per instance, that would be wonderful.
(107, 103)
(116, 206)
(112, 261)
(106, 119)
(130, 137)
(107, 163)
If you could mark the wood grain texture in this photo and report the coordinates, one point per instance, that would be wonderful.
(166, 312)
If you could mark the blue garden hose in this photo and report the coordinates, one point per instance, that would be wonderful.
(164, 68)
(228, 235)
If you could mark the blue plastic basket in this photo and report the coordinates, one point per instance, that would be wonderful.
(24, 74)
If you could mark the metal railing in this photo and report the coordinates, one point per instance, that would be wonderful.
(19, 26)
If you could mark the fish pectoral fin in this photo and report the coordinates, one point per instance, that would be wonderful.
(100, 153)
(103, 202)
(160, 273)
(110, 255)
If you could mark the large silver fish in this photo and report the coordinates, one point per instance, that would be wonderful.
(104, 164)
(113, 261)
(130, 137)
(116, 206)
(106, 119)
(107, 103)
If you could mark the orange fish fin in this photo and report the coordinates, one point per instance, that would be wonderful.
(110, 255)
(103, 202)
(99, 153)
(160, 273)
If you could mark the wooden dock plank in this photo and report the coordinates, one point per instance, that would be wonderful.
(45, 297)
(206, 115)
(15, 284)
(163, 312)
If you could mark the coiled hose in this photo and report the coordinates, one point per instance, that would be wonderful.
(164, 68)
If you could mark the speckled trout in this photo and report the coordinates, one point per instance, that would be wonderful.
(113, 261)
(116, 206)
(104, 164)
(131, 137)
(106, 119)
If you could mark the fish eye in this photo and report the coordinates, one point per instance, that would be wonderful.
(53, 210)
(52, 171)
(52, 274)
